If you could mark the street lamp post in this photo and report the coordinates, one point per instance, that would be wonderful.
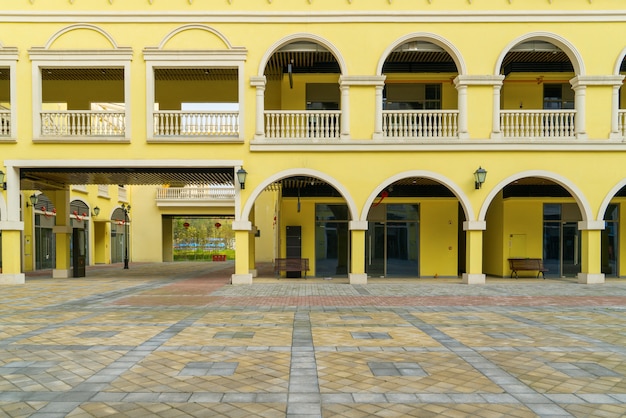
(126, 209)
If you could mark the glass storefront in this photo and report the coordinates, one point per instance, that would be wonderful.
(561, 240)
(610, 247)
(392, 241)
(332, 240)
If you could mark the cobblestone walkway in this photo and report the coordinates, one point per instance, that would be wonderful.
(176, 340)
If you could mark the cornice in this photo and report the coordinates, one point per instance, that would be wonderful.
(398, 16)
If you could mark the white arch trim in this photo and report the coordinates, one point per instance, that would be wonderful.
(607, 199)
(567, 47)
(302, 37)
(576, 193)
(429, 37)
(95, 28)
(458, 192)
(618, 63)
(245, 212)
(176, 31)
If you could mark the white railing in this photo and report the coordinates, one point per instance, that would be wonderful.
(83, 123)
(195, 193)
(5, 123)
(303, 124)
(200, 123)
(538, 123)
(420, 123)
(621, 122)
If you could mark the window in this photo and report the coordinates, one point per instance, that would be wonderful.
(412, 96)
(558, 96)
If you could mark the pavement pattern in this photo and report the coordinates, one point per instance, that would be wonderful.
(177, 340)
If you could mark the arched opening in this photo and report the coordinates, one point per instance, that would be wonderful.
(419, 97)
(533, 218)
(302, 216)
(537, 99)
(302, 94)
(415, 229)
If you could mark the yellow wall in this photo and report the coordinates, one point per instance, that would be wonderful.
(493, 239)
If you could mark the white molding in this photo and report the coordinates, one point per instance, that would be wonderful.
(591, 278)
(478, 80)
(591, 225)
(362, 80)
(383, 145)
(358, 225)
(120, 163)
(11, 226)
(8, 58)
(596, 80)
(307, 16)
(474, 225)
(242, 226)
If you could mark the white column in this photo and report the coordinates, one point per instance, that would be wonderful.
(345, 111)
(462, 92)
(378, 112)
(615, 113)
(580, 93)
(495, 125)
(259, 126)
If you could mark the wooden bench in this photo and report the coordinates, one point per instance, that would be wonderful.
(291, 264)
(526, 264)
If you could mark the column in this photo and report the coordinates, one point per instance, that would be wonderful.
(357, 273)
(259, 125)
(11, 227)
(591, 252)
(474, 252)
(580, 92)
(378, 116)
(242, 253)
(63, 234)
(495, 128)
(462, 93)
(345, 111)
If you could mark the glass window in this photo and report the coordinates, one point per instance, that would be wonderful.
(552, 212)
(402, 212)
(558, 96)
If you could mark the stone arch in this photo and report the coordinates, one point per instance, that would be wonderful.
(245, 212)
(428, 37)
(568, 48)
(453, 187)
(576, 193)
(607, 199)
(170, 36)
(618, 63)
(80, 26)
(302, 37)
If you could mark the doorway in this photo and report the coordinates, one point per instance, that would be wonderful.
(392, 241)
(561, 240)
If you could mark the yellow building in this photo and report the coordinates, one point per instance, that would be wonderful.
(361, 126)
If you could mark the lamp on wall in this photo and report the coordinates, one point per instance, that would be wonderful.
(4, 184)
(126, 209)
(241, 177)
(479, 177)
(96, 211)
(33, 200)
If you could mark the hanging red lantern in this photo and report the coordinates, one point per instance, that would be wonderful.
(186, 225)
(218, 225)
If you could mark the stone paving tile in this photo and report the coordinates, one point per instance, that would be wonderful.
(175, 340)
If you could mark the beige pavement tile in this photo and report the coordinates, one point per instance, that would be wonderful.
(162, 371)
(546, 372)
(137, 317)
(238, 318)
(320, 319)
(445, 373)
(218, 336)
(464, 318)
(69, 335)
(426, 411)
(518, 336)
(396, 337)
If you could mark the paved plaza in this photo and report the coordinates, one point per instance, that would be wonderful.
(177, 340)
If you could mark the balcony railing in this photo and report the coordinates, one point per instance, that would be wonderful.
(538, 123)
(83, 123)
(303, 124)
(420, 123)
(621, 122)
(5, 123)
(200, 123)
(195, 193)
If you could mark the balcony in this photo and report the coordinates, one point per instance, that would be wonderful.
(537, 124)
(83, 123)
(305, 124)
(194, 124)
(5, 123)
(420, 124)
(195, 196)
